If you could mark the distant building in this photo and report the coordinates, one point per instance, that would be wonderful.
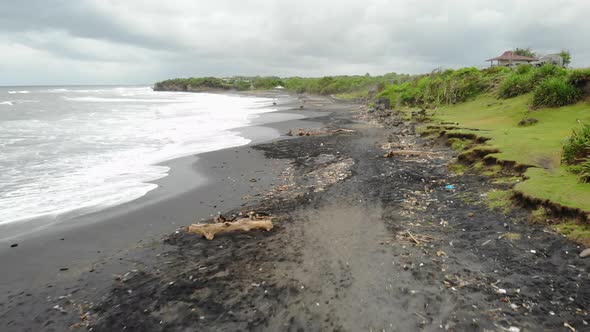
(509, 59)
(555, 59)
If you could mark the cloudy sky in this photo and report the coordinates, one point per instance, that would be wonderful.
(142, 41)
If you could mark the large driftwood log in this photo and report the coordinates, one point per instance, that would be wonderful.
(408, 153)
(245, 224)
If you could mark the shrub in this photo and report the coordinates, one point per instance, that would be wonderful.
(492, 71)
(566, 56)
(579, 77)
(548, 70)
(516, 85)
(556, 92)
(524, 69)
(576, 147)
(585, 171)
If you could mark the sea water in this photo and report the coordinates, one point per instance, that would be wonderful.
(66, 149)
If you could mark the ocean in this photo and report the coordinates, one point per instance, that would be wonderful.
(81, 149)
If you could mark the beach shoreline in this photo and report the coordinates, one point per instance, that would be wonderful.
(196, 187)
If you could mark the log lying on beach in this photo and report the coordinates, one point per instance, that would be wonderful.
(244, 224)
(317, 132)
(408, 153)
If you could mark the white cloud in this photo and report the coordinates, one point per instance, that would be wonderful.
(134, 41)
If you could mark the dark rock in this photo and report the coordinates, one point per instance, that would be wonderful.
(382, 104)
(14, 245)
(527, 122)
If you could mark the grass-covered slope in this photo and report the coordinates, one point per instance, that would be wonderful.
(539, 144)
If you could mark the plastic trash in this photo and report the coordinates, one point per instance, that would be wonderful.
(449, 187)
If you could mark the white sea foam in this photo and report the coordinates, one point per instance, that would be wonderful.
(8, 102)
(19, 91)
(83, 154)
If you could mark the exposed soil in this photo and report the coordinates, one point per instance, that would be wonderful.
(362, 242)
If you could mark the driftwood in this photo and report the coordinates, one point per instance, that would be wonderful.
(317, 132)
(408, 153)
(244, 224)
(341, 130)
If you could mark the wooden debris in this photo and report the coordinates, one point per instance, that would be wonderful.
(393, 153)
(244, 224)
(317, 132)
(418, 239)
(304, 132)
(413, 238)
(341, 130)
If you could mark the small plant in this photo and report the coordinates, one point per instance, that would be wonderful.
(566, 56)
(576, 152)
(576, 147)
(539, 215)
(585, 171)
(556, 92)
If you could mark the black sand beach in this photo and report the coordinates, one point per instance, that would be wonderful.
(361, 242)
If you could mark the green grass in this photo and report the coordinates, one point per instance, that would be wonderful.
(499, 200)
(539, 145)
(575, 231)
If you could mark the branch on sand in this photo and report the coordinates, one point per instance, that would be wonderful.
(393, 153)
(317, 132)
(244, 224)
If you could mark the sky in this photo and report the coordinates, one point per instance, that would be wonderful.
(70, 42)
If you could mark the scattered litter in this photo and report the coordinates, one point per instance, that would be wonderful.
(533, 251)
(501, 291)
(59, 308)
(488, 241)
(513, 329)
(449, 187)
(585, 253)
(569, 326)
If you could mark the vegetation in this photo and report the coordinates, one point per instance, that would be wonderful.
(525, 52)
(566, 56)
(443, 87)
(556, 92)
(517, 84)
(345, 86)
(499, 200)
(576, 152)
(575, 231)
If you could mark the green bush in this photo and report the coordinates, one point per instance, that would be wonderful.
(524, 69)
(585, 171)
(267, 83)
(556, 92)
(516, 85)
(576, 147)
(548, 70)
(579, 77)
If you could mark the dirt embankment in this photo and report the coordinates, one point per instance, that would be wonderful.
(362, 242)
